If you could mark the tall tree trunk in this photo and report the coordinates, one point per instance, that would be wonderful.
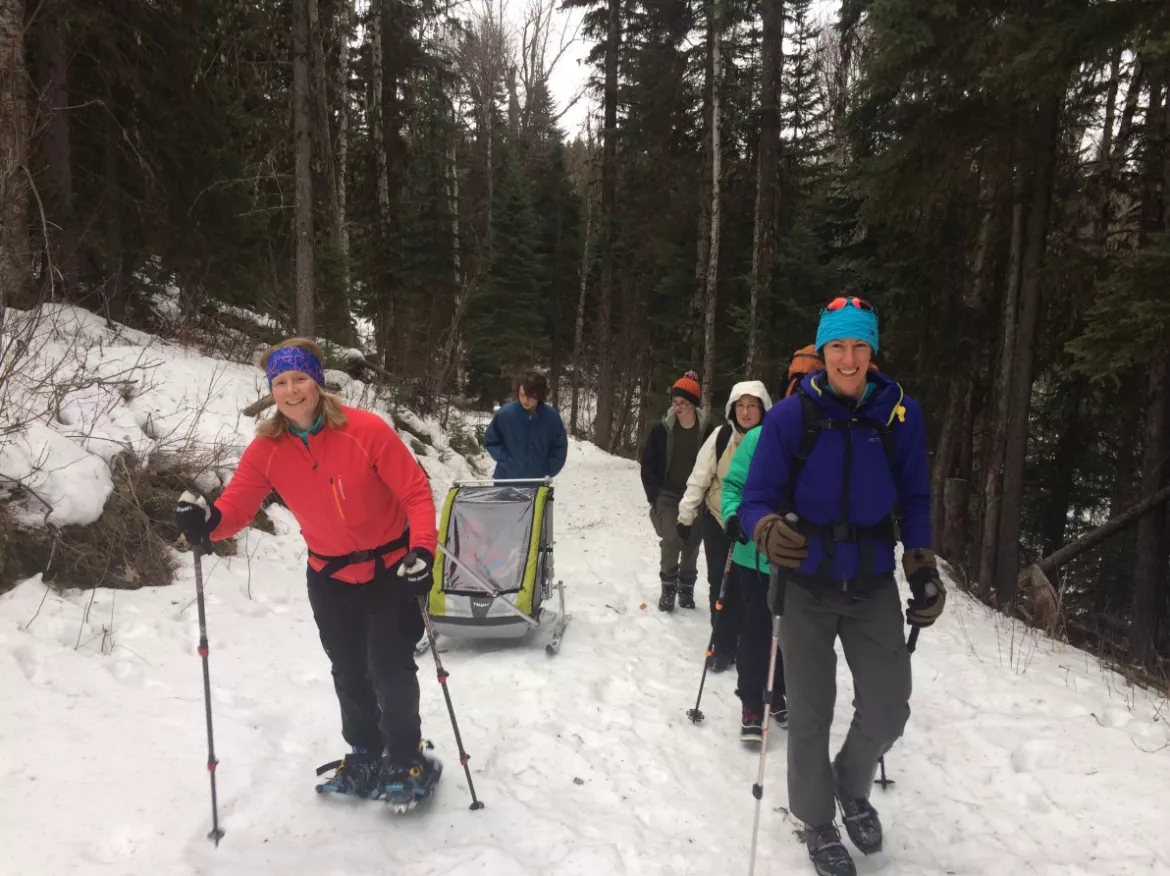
(956, 525)
(53, 76)
(1153, 168)
(451, 344)
(489, 140)
(113, 293)
(1103, 169)
(15, 263)
(1149, 585)
(996, 414)
(1047, 127)
(579, 325)
(378, 129)
(847, 46)
(394, 38)
(703, 237)
(323, 128)
(767, 182)
(955, 495)
(946, 449)
(304, 179)
(453, 206)
(344, 23)
(1149, 577)
(603, 425)
(1058, 496)
(955, 442)
(716, 189)
(384, 317)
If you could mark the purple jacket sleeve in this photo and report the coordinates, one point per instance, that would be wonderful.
(766, 489)
(912, 477)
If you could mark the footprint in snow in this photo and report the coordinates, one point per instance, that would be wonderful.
(1035, 754)
(29, 661)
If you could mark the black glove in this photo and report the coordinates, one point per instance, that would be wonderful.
(195, 520)
(734, 530)
(683, 530)
(416, 569)
(927, 594)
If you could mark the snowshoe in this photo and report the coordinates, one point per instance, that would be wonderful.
(686, 595)
(356, 775)
(404, 784)
(827, 852)
(666, 600)
(751, 727)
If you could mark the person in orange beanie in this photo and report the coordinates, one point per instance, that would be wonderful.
(668, 456)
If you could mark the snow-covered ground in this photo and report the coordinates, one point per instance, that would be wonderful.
(1022, 756)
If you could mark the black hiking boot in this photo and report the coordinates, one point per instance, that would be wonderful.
(666, 600)
(779, 712)
(827, 852)
(686, 594)
(861, 823)
(719, 662)
(751, 727)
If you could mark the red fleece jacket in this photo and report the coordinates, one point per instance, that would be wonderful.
(351, 489)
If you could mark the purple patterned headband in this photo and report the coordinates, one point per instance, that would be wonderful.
(294, 359)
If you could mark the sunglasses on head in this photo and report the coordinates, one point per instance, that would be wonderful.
(843, 302)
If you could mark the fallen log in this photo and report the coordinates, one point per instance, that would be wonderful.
(1049, 564)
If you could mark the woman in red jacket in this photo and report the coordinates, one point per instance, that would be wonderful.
(368, 518)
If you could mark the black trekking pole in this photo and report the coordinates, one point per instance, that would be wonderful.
(696, 714)
(911, 644)
(464, 757)
(216, 834)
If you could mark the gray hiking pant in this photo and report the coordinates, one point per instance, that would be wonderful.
(679, 560)
(871, 634)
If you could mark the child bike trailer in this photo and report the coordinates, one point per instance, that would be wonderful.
(494, 570)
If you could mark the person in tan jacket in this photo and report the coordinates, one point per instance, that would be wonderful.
(745, 410)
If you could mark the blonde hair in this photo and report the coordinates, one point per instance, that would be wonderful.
(277, 424)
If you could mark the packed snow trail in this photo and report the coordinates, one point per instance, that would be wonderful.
(1021, 757)
(586, 761)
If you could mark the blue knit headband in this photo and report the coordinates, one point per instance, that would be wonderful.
(294, 359)
(848, 322)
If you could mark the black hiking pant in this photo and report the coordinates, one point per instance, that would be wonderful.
(716, 547)
(369, 632)
(755, 641)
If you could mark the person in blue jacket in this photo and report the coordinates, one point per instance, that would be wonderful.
(839, 472)
(526, 437)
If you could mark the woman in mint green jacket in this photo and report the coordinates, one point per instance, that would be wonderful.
(751, 570)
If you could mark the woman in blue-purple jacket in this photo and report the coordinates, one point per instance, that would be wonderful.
(840, 472)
